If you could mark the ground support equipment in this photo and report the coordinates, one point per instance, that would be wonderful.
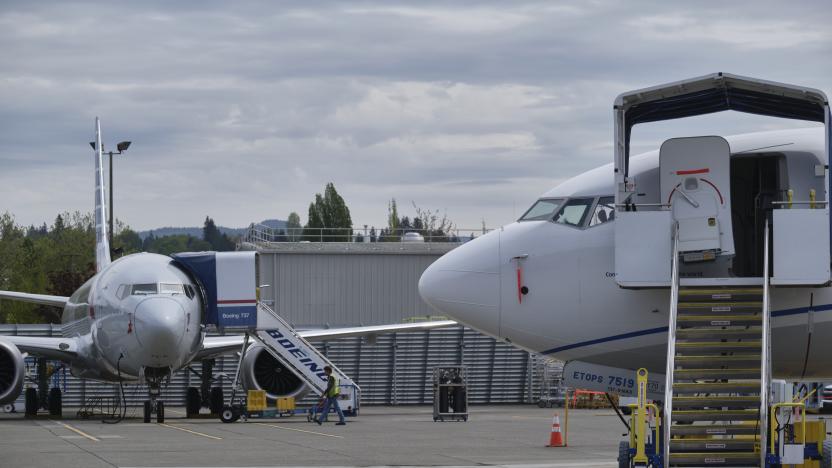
(450, 394)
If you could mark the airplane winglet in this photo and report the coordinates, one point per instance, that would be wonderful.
(102, 245)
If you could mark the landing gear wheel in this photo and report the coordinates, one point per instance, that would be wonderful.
(826, 461)
(217, 400)
(55, 402)
(31, 402)
(160, 411)
(623, 454)
(193, 402)
(147, 411)
(229, 414)
(9, 408)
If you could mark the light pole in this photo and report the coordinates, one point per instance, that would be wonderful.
(121, 147)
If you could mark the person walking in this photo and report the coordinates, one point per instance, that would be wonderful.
(333, 389)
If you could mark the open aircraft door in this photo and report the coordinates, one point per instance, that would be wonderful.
(695, 176)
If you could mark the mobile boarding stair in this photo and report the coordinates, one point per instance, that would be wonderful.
(716, 408)
(229, 283)
(297, 354)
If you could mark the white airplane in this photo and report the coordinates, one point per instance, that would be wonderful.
(139, 319)
(571, 280)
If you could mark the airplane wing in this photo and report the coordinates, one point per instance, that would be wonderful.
(217, 345)
(44, 299)
(63, 349)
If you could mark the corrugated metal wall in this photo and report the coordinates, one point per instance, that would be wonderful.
(396, 369)
(346, 284)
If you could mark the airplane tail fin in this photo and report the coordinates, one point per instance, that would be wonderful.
(102, 245)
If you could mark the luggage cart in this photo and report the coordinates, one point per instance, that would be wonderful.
(450, 394)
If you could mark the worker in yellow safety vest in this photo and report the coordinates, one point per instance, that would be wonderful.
(333, 389)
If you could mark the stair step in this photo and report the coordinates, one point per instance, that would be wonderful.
(704, 361)
(714, 429)
(750, 401)
(711, 347)
(715, 415)
(718, 333)
(751, 387)
(686, 308)
(696, 320)
(696, 374)
(715, 459)
(709, 295)
(710, 444)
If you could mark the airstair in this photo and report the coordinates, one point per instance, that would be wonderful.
(294, 352)
(717, 373)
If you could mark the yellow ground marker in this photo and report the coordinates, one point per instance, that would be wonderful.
(79, 432)
(190, 431)
(300, 430)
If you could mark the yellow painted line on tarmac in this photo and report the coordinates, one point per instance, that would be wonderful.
(300, 430)
(190, 431)
(79, 432)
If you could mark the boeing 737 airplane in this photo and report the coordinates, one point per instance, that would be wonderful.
(139, 319)
(707, 260)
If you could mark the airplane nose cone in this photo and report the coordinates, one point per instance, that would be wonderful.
(160, 328)
(464, 284)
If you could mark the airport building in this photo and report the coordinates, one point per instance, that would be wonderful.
(337, 284)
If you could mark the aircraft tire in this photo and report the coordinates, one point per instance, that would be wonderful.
(826, 461)
(55, 402)
(160, 411)
(193, 402)
(624, 454)
(229, 414)
(217, 400)
(31, 402)
(147, 411)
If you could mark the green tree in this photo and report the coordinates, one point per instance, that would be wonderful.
(293, 227)
(212, 235)
(329, 218)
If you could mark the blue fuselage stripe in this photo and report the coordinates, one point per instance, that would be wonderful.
(650, 331)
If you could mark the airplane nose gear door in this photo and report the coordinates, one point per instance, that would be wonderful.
(695, 182)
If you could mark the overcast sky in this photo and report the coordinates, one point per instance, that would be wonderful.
(243, 110)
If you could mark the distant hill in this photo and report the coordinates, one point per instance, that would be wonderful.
(197, 231)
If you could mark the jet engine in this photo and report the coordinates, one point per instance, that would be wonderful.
(12, 371)
(261, 371)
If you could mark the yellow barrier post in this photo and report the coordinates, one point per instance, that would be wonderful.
(566, 420)
(790, 195)
(812, 196)
(641, 419)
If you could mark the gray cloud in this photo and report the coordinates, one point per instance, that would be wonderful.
(243, 112)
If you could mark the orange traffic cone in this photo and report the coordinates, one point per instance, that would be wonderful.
(556, 439)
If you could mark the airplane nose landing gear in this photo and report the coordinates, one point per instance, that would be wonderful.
(154, 377)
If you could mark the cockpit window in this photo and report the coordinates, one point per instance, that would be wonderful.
(574, 212)
(169, 288)
(604, 211)
(543, 210)
(144, 289)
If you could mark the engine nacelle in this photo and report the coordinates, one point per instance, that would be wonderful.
(261, 371)
(12, 370)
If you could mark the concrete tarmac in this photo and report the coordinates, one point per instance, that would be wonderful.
(504, 436)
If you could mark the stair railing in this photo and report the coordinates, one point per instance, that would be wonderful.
(671, 346)
(765, 350)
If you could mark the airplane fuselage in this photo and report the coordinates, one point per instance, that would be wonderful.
(139, 316)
